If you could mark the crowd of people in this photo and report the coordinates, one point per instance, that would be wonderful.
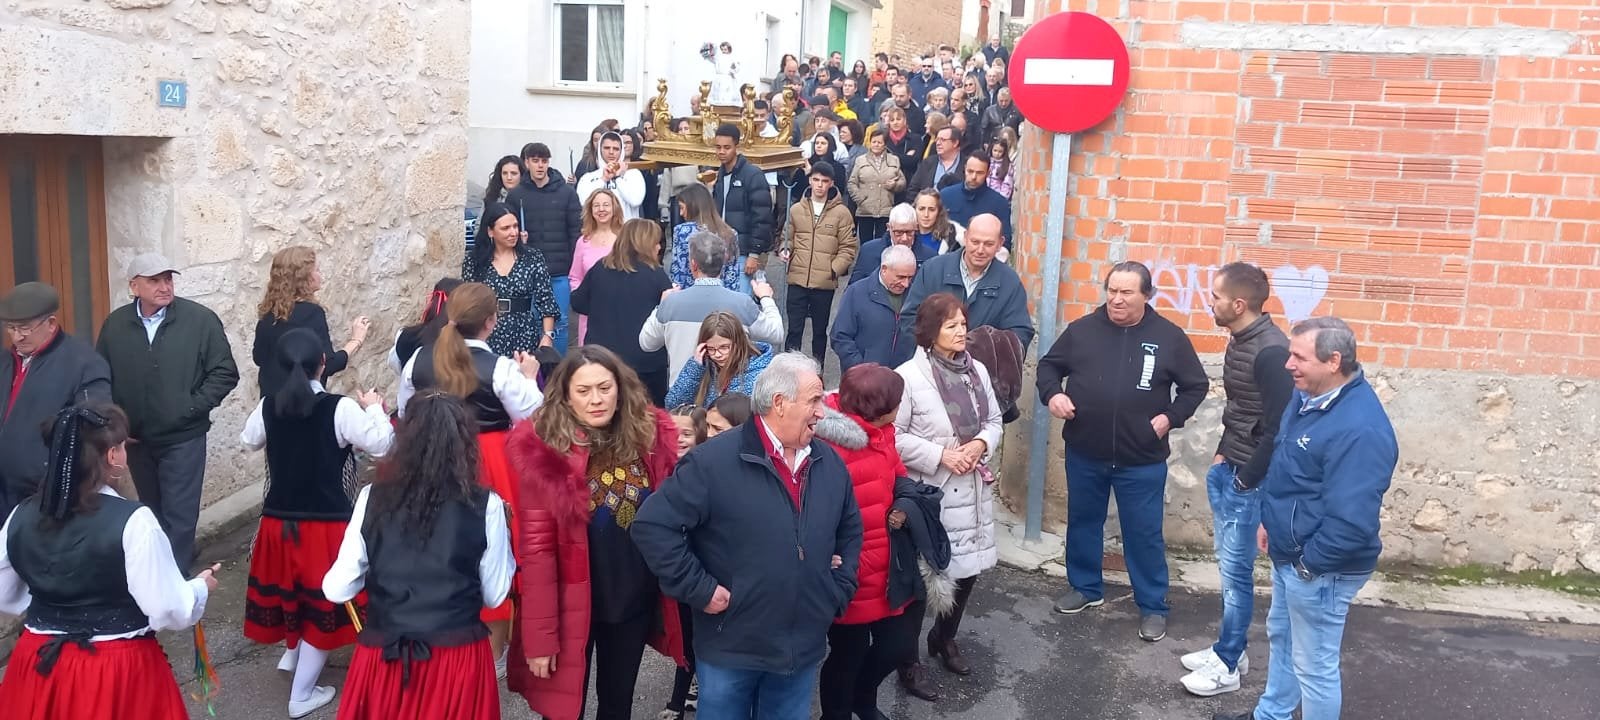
(605, 440)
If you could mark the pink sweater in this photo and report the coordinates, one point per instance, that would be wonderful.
(584, 256)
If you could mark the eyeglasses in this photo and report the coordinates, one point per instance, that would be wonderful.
(908, 231)
(719, 350)
(23, 330)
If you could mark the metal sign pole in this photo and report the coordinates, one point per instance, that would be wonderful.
(1055, 225)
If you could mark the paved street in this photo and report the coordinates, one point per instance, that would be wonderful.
(1033, 664)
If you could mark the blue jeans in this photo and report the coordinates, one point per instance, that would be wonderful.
(727, 694)
(1235, 517)
(562, 287)
(1305, 628)
(1141, 507)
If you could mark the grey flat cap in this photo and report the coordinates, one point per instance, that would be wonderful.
(28, 301)
(149, 265)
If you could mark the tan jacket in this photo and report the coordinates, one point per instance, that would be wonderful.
(822, 250)
(867, 180)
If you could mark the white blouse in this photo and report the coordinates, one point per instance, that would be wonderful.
(369, 429)
(163, 595)
(517, 392)
(349, 572)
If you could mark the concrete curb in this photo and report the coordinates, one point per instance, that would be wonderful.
(1500, 602)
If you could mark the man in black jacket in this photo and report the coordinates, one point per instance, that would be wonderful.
(745, 200)
(553, 219)
(170, 367)
(1121, 364)
(44, 371)
(759, 532)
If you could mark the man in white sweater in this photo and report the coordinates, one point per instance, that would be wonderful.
(614, 175)
(675, 324)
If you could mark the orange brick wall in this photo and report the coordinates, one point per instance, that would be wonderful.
(912, 28)
(1447, 205)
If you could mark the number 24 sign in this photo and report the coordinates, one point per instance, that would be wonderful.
(172, 93)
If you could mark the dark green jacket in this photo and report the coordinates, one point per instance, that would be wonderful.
(170, 387)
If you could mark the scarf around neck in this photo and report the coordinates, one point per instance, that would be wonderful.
(961, 391)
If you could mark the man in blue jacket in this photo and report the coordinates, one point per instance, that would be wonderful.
(974, 197)
(901, 230)
(868, 326)
(992, 291)
(759, 532)
(1335, 455)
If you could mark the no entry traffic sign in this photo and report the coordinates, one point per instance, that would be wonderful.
(1069, 72)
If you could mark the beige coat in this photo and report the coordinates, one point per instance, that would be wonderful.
(867, 184)
(822, 250)
(922, 433)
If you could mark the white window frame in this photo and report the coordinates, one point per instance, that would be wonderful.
(592, 68)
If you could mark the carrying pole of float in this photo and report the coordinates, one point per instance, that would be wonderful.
(1069, 73)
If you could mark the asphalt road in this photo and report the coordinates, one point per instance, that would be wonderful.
(1031, 663)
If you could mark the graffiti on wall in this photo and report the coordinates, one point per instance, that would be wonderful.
(1187, 288)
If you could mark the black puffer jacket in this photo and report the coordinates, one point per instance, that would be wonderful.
(745, 200)
(553, 217)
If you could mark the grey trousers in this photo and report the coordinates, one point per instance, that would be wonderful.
(169, 479)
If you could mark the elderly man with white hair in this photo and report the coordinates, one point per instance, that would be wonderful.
(868, 326)
(902, 230)
(727, 531)
(675, 324)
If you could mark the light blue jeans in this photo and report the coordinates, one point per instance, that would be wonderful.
(1235, 517)
(562, 287)
(1305, 629)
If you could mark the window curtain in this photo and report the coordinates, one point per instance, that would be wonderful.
(609, 47)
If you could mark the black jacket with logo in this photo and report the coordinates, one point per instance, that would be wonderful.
(1119, 378)
(745, 200)
(553, 218)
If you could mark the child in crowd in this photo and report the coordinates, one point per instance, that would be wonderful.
(692, 430)
(728, 412)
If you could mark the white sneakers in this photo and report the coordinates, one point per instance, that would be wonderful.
(290, 659)
(1210, 676)
(500, 664)
(320, 696)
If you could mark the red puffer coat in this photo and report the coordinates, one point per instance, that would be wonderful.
(551, 539)
(869, 453)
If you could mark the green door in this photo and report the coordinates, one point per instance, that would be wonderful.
(838, 23)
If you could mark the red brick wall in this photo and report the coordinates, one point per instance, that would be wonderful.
(911, 28)
(1452, 202)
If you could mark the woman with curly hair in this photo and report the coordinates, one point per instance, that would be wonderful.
(291, 302)
(588, 460)
(429, 545)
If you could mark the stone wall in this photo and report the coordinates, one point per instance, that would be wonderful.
(913, 28)
(331, 124)
(1424, 169)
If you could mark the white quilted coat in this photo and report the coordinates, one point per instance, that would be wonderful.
(922, 433)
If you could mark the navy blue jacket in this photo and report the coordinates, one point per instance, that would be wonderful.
(725, 518)
(999, 300)
(866, 329)
(1325, 486)
(871, 258)
(964, 205)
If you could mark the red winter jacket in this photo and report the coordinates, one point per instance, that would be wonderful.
(869, 453)
(551, 539)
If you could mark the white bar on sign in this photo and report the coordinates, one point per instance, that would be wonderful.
(1068, 71)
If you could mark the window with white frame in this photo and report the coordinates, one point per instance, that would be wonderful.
(588, 41)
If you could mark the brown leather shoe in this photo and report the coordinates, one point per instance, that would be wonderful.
(914, 678)
(948, 652)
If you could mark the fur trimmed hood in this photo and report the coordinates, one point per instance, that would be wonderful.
(560, 479)
(839, 428)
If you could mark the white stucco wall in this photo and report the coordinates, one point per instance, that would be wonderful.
(512, 99)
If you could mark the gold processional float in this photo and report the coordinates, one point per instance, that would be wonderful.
(696, 147)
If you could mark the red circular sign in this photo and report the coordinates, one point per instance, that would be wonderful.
(1069, 72)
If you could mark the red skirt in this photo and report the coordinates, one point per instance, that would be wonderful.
(92, 685)
(494, 472)
(454, 682)
(284, 601)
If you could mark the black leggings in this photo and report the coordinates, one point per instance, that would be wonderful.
(860, 657)
(869, 229)
(682, 678)
(617, 649)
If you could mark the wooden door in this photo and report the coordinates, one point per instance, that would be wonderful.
(53, 223)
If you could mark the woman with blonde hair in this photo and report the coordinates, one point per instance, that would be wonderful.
(602, 222)
(291, 302)
(618, 296)
(726, 360)
(590, 458)
(499, 392)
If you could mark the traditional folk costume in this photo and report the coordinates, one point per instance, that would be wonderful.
(93, 586)
(313, 471)
(504, 396)
(424, 652)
